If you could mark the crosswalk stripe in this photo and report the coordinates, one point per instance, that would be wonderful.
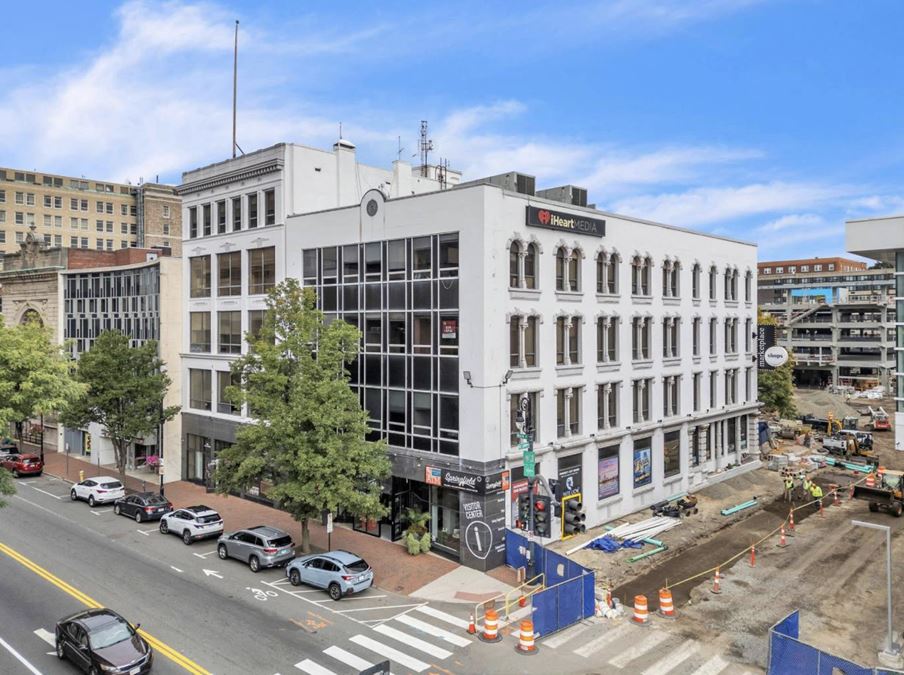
(430, 629)
(638, 649)
(312, 668)
(392, 654)
(412, 641)
(565, 636)
(47, 636)
(712, 667)
(347, 658)
(605, 639)
(442, 616)
(671, 661)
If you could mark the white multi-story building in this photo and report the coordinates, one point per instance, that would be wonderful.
(633, 341)
(883, 239)
(234, 215)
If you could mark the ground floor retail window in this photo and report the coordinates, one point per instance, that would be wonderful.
(671, 452)
(643, 462)
(445, 519)
(607, 472)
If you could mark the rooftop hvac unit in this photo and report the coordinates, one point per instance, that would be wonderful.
(521, 183)
(567, 194)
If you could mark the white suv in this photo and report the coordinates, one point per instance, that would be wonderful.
(98, 490)
(192, 523)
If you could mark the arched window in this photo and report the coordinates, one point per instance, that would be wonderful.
(514, 265)
(645, 276)
(695, 281)
(561, 267)
(748, 285)
(530, 266)
(574, 271)
(31, 315)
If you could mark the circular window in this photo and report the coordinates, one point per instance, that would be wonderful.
(372, 207)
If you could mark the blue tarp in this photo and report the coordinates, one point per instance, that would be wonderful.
(611, 545)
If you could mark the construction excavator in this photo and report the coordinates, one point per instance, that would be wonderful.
(886, 495)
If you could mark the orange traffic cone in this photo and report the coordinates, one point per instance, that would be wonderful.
(472, 629)
(837, 501)
(753, 556)
(782, 543)
(717, 588)
(791, 523)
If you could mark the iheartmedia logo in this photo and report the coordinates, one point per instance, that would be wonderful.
(556, 220)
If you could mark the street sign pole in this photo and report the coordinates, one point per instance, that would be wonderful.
(530, 474)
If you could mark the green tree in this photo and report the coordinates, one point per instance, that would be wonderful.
(36, 375)
(775, 388)
(125, 390)
(308, 437)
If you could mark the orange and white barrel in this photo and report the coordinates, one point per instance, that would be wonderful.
(666, 606)
(526, 638)
(641, 611)
(490, 627)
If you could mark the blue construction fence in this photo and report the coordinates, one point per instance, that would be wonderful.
(568, 594)
(788, 655)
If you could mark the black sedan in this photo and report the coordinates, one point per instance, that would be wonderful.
(142, 506)
(100, 641)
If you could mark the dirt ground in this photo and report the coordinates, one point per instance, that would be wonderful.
(831, 570)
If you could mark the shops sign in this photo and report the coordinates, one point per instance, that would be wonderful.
(467, 482)
(569, 222)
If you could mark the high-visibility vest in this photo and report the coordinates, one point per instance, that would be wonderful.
(816, 491)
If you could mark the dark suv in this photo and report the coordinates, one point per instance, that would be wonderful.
(259, 546)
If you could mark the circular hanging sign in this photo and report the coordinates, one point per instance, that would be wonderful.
(776, 356)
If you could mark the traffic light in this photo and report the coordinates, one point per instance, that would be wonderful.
(572, 516)
(542, 516)
(524, 510)
(556, 487)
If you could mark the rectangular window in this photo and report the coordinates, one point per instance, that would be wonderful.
(200, 276)
(252, 210)
(712, 337)
(530, 342)
(123, 228)
(109, 226)
(192, 222)
(560, 412)
(643, 462)
(515, 342)
(123, 209)
(205, 219)
(261, 270)
(641, 396)
(109, 244)
(236, 214)
(269, 207)
(697, 379)
(84, 204)
(57, 202)
(713, 389)
(229, 273)
(221, 217)
(48, 202)
(200, 332)
(607, 472)
(229, 333)
(166, 211)
(30, 199)
(199, 389)
(73, 242)
(255, 321)
(99, 225)
(58, 240)
(226, 379)
(84, 242)
(574, 411)
(99, 207)
(671, 451)
(696, 336)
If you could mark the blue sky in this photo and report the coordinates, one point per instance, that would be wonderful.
(766, 120)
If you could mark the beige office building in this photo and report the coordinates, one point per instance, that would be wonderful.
(88, 214)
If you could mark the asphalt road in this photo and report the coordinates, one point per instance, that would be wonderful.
(211, 616)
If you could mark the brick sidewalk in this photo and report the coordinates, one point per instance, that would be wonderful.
(395, 570)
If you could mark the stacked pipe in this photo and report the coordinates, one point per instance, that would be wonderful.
(640, 531)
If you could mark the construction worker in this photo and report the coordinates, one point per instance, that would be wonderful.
(816, 493)
(789, 487)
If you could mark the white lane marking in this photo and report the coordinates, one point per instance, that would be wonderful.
(565, 636)
(712, 667)
(370, 609)
(411, 641)
(605, 639)
(212, 573)
(49, 494)
(204, 555)
(19, 657)
(401, 658)
(430, 629)
(638, 649)
(677, 656)
(281, 582)
(47, 636)
(176, 568)
(352, 599)
(347, 658)
(312, 668)
(442, 616)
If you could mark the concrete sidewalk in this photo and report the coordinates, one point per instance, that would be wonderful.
(433, 576)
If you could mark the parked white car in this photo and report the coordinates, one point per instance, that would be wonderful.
(192, 523)
(98, 490)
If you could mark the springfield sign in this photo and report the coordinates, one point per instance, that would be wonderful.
(569, 222)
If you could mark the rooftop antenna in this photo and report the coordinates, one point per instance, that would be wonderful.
(340, 131)
(401, 150)
(235, 82)
(425, 145)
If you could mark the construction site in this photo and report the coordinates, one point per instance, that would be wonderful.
(740, 555)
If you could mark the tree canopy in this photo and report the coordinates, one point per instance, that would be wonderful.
(125, 387)
(775, 388)
(308, 436)
(35, 374)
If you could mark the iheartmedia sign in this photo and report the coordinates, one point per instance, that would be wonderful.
(557, 220)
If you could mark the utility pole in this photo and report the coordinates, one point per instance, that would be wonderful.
(526, 443)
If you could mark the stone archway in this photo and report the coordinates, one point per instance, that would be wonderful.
(29, 315)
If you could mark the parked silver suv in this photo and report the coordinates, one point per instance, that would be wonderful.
(259, 546)
(339, 572)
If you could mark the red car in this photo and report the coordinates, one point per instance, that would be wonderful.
(23, 465)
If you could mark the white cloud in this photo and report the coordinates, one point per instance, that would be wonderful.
(790, 221)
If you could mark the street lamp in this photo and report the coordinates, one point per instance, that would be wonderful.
(891, 655)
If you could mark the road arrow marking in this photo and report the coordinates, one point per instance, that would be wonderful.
(211, 573)
(176, 568)
(47, 636)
